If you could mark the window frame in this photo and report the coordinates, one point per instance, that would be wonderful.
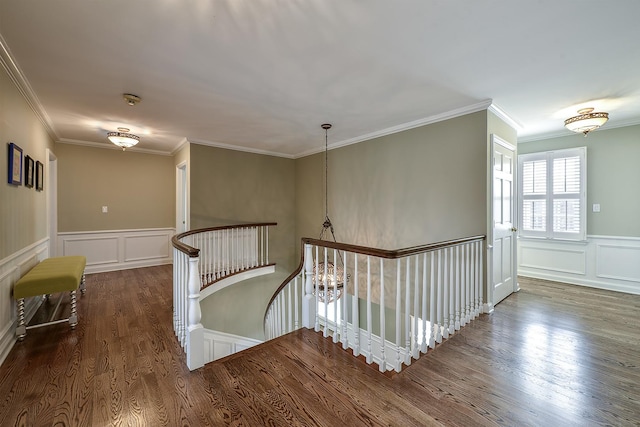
(549, 196)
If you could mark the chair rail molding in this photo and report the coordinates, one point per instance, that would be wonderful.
(11, 269)
(604, 262)
(111, 250)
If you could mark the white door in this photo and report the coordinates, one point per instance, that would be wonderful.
(51, 188)
(182, 194)
(503, 217)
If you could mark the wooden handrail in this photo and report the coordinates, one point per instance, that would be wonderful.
(391, 254)
(194, 252)
(364, 250)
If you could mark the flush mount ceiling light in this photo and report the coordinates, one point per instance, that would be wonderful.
(586, 121)
(131, 99)
(122, 138)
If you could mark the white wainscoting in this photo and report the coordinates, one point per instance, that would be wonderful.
(13, 268)
(220, 344)
(605, 262)
(118, 249)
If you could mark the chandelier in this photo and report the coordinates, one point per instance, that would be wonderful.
(329, 279)
(586, 121)
(122, 138)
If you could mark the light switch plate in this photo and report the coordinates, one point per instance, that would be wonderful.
(596, 207)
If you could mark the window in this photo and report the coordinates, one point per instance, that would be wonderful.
(553, 194)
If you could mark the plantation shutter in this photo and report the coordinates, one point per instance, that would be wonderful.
(553, 194)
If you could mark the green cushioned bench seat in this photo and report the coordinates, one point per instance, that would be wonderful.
(51, 276)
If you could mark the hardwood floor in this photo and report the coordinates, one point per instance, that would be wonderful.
(550, 355)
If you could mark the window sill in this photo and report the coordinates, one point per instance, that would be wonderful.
(553, 239)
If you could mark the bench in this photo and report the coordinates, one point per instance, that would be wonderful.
(52, 275)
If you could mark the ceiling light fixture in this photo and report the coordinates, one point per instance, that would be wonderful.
(122, 138)
(131, 99)
(330, 278)
(586, 121)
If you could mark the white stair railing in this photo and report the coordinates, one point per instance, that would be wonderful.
(394, 306)
(203, 257)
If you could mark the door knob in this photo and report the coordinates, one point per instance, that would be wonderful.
(514, 229)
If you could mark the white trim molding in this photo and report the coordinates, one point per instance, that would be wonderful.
(118, 249)
(605, 262)
(12, 269)
(221, 344)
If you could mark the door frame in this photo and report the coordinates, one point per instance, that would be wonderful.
(493, 140)
(51, 201)
(182, 198)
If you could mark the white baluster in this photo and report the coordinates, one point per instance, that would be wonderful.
(445, 299)
(432, 302)
(355, 320)
(481, 280)
(423, 347)
(266, 244)
(398, 366)
(176, 281)
(416, 310)
(369, 355)
(317, 289)
(457, 262)
(289, 313)
(452, 292)
(472, 282)
(334, 283)
(344, 320)
(308, 303)
(383, 357)
(283, 314)
(438, 329)
(407, 315)
(467, 318)
(296, 323)
(463, 285)
(326, 284)
(477, 278)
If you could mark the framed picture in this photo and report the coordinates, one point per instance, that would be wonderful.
(29, 166)
(15, 164)
(39, 176)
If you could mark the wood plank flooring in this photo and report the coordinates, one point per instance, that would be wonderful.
(550, 355)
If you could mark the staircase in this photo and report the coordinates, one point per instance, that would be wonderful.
(389, 306)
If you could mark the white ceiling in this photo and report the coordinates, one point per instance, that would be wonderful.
(264, 74)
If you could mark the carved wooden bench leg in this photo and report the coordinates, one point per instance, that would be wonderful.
(21, 330)
(83, 285)
(73, 318)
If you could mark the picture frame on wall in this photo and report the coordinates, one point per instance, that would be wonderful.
(15, 164)
(39, 176)
(29, 166)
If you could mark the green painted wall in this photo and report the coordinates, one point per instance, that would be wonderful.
(613, 177)
(418, 186)
(229, 186)
(137, 188)
(23, 217)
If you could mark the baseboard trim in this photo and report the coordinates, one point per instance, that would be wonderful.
(608, 286)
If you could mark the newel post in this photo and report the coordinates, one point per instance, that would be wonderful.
(195, 335)
(308, 300)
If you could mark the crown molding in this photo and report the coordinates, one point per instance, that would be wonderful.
(109, 146)
(22, 84)
(452, 114)
(178, 147)
(505, 117)
(238, 148)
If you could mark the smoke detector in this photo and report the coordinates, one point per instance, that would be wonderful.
(131, 99)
